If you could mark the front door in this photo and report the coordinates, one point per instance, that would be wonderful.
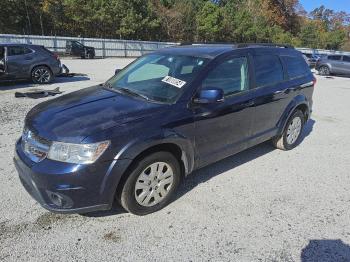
(222, 129)
(2, 62)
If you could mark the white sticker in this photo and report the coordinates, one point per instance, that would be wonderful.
(173, 81)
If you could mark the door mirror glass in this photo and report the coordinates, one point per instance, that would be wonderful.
(209, 96)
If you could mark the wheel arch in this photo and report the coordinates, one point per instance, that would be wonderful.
(298, 103)
(37, 65)
(135, 151)
(329, 65)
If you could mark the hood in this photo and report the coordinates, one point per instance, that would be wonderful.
(73, 117)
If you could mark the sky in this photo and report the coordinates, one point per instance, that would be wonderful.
(337, 5)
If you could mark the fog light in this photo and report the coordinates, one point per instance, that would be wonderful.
(59, 200)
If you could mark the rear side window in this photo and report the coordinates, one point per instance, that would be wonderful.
(268, 70)
(346, 58)
(231, 76)
(296, 66)
(18, 50)
(334, 57)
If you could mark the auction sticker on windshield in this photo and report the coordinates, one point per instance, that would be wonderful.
(173, 81)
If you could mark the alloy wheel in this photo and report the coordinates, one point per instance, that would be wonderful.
(42, 75)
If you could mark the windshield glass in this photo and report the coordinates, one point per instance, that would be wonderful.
(157, 77)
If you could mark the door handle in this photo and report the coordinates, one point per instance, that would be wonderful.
(28, 58)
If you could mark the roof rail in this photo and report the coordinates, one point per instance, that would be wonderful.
(239, 45)
(242, 45)
(205, 43)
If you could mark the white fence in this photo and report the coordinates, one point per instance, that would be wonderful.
(103, 47)
(113, 47)
(322, 51)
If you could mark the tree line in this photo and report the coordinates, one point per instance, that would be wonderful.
(282, 21)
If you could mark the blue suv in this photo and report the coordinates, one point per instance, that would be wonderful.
(135, 137)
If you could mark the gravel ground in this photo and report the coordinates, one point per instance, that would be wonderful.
(260, 205)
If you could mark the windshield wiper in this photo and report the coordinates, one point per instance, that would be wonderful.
(133, 93)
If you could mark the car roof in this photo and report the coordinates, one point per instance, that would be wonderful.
(16, 44)
(213, 50)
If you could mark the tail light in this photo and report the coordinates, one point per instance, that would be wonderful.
(314, 81)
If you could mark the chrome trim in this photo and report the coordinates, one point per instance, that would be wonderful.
(34, 147)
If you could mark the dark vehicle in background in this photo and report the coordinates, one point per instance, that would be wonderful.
(24, 61)
(135, 137)
(312, 59)
(334, 64)
(75, 48)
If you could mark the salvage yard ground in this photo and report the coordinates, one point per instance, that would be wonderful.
(260, 205)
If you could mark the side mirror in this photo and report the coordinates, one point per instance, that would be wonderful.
(117, 71)
(209, 96)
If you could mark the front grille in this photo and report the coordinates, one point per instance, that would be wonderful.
(35, 147)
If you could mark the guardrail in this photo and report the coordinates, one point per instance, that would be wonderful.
(322, 51)
(114, 47)
(103, 47)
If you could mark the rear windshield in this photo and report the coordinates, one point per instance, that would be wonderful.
(296, 66)
(158, 77)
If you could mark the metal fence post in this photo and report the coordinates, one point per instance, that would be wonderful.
(125, 54)
(55, 43)
(103, 48)
(141, 48)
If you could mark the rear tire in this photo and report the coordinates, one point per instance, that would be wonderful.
(291, 133)
(41, 75)
(150, 184)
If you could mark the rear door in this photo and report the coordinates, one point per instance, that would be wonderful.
(292, 77)
(19, 61)
(336, 63)
(223, 129)
(346, 64)
(271, 95)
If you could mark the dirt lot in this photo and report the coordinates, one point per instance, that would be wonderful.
(260, 205)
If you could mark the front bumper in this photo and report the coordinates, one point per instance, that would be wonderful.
(69, 188)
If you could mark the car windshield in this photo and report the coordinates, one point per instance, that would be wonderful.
(157, 77)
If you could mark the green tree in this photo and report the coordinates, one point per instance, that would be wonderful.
(209, 22)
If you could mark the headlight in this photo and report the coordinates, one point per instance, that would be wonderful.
(77, 153)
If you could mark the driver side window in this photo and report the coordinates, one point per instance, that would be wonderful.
(231, 76)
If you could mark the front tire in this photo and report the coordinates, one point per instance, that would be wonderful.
(324, 71)
(151, 184)
(41, 75)
(90, 55)
(292, 132)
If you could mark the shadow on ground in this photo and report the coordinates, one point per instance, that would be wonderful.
(8, 85)
(206, 173)
(326, 251)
